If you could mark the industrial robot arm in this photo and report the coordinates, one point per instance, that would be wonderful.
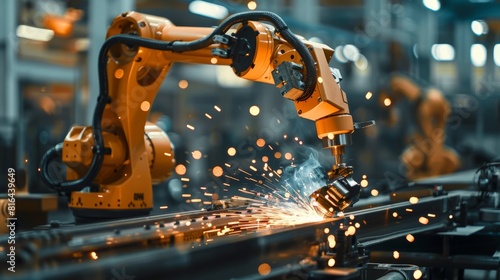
(120, 156)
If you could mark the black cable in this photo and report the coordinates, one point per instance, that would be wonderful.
(281, 28)
(482, 174)
(52, 154)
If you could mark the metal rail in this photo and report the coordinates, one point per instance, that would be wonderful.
(209, 245)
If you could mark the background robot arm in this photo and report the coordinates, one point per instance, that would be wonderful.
(124, 155)
(427, 155)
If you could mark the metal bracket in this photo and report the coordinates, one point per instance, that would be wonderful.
(360, 125)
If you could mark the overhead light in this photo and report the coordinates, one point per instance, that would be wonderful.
(207, 9)
(443, 52)
(496, 54)
(478, 55)
(338, 53)
(34, 33)
(362, 62)
(479, 27)
(433, 5)
(351, 52)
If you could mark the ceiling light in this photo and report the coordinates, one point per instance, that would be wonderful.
(479, 27)
(34, 33)
(208, 9)
(496, 54)
(478, 55)
(443, 52)
(433, 5)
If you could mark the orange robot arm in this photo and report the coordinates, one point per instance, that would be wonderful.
(123, 155)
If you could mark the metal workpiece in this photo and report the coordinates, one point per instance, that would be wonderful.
(197, 245)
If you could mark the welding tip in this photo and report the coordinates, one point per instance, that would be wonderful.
(336, 196)
(337, 152)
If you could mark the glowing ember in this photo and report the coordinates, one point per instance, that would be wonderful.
(190, 126)
(231, 151)
(417, 274)
(395, 254)
(413, 200)
(252, 5)
(288, 156)
(331, 262)
(395, 214)
(410, 238)
(180, 169)
(331, 241)
(423, 220)
(217, 171)
(374, 192)
(326, 230)
(217, 108)
(196, 154)
(254, 110)
(364, 183)
(368, 95)
(264, 269)
(261, 142)
(351, 230)
(183, 84)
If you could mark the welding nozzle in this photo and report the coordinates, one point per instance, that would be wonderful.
(337, 145)
(338, 194)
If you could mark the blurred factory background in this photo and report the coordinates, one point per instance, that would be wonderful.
(49, 82)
